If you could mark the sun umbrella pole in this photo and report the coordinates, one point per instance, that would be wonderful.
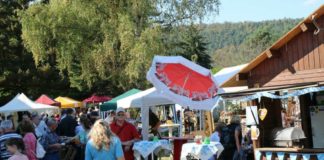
(185, 82)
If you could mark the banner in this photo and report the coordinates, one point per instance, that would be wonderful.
(268, 155)
(306, 156)
(258, 95)
(251, 113)
(293, 156)
(257, 154)
(320, 156)
(280, 155)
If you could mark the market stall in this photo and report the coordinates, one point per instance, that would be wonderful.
(144, 100)
(96, 99)
(44, 99)
(112, 104)
(67, 102)
(22, 103)
(289, 96)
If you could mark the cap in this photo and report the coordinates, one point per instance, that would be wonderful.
(120, 109)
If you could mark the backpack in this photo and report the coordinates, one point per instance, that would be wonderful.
(40, 151)
(227, 138)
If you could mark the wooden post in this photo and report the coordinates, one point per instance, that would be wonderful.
(256, 144)
(209, 124)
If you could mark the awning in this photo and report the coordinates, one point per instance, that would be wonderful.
(67, 102)
(22, 103)
(96, 99)
(147, 98)
(44, 99)
(251, 91)
(297, 91)
(112, 104)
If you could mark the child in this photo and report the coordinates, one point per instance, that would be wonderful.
(16, 146)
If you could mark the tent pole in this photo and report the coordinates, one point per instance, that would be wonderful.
(145, 122)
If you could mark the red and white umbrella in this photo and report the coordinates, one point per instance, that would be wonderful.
(183, 82)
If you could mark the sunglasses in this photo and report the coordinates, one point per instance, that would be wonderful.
(120, 114)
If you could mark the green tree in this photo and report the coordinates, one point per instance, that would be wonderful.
(261, 39)
(13, 75)
(107, 45)
(18, 72)
(238, 43)
(192, 46)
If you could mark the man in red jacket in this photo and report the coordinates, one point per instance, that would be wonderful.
(126, 132)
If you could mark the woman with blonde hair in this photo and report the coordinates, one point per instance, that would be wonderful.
(103, 144)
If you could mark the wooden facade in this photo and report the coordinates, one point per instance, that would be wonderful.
(296, 58)
(301, 60)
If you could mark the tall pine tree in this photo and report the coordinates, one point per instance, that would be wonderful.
(193, 46)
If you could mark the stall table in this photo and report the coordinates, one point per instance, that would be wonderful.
(177, 145)
(145, 148)
(201, 151)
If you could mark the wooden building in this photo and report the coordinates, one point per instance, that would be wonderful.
(295, 61)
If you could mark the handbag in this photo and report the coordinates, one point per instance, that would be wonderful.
(40, 151)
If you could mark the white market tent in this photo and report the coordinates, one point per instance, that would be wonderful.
(22, 103)
(144, 100)
(147, 98)
(224, 75)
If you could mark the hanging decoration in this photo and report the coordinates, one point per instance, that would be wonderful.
(263, 113)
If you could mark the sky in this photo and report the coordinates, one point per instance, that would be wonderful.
(260, 10)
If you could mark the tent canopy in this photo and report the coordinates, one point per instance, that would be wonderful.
(147, 98)
(96, 99)
(22, 103)
(226, 73)
(67, 102)
(112, 104)
(44, 99)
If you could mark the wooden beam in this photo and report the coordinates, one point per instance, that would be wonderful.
(256, 85)
(242, 76)
(276, 53)
(268, 53)
(303, 27)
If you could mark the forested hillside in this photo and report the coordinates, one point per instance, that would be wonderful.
(236, 43)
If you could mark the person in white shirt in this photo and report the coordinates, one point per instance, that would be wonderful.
(40, 125)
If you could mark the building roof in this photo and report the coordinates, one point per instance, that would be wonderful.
(226, 73)
(278, 44)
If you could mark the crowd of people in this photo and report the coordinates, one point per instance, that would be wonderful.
(81, 136)
(86, 136)
(236, 146)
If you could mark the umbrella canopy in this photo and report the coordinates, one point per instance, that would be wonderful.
(147, 98)
(22, 103)
(44, 99)
(67, 102)
(112, 104)
(183, 82)
(96, 99)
